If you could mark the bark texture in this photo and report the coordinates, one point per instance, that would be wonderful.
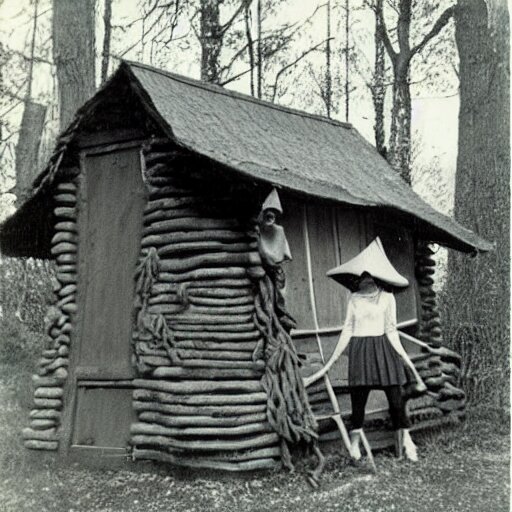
(211, 41)
(73, 54)
(478, 290)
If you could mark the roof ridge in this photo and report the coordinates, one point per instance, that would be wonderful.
(235, 94)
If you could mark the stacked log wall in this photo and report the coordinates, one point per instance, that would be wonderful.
(52, 368)
(439, 367)
(199, 398)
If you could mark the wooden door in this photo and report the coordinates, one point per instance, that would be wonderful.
(110, 224)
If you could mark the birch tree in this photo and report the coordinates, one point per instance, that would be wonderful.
(401, 54)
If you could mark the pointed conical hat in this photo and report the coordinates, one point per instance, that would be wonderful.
(373, 260)
(272, 202)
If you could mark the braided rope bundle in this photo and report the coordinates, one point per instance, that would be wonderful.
(156, 325)
(288, 409)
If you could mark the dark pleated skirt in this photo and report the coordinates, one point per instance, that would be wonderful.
(372, 361)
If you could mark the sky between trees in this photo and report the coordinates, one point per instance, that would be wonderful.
(434, 79)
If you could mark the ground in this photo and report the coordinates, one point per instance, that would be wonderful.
(463, 469)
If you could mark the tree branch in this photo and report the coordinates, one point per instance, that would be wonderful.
(293, 63)
(436, 28)
(244, 4)
(384, 35)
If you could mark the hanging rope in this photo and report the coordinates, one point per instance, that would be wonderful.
(146, 274)
(288, 409)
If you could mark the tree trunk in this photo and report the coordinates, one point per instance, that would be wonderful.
(478, 290)
(259, 50)
(328, 75)
(250, 45)
(211, 41)
(107, 22)
(399, 155)
(73, 54)
(378, 89)
(27, 148)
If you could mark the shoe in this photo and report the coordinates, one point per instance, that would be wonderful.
(355, 439)
(409, 448)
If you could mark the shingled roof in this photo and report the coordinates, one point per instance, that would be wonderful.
(287, 148)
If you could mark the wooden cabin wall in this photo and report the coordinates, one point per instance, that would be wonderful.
(51, 376)
(199, 398)
(334, 235)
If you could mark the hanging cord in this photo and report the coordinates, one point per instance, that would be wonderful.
(288, 409)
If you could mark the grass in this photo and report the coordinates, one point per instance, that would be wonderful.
(465, 468)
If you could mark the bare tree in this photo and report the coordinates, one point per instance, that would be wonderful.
(211, 36)
(399, 153)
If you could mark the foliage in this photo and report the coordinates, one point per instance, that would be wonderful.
(483, 346)
(25, 291)
(19, 345)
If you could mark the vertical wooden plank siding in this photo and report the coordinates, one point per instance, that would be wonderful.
(296, 293)
(351, 240)
(323, 247)
(399, 247)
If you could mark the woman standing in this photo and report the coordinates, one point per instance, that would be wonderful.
(377, 359)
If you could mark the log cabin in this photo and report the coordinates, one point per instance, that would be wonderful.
(148, 208)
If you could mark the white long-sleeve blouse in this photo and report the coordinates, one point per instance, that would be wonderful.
(370, 315)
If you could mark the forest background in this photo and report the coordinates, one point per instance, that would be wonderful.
(407, 74)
